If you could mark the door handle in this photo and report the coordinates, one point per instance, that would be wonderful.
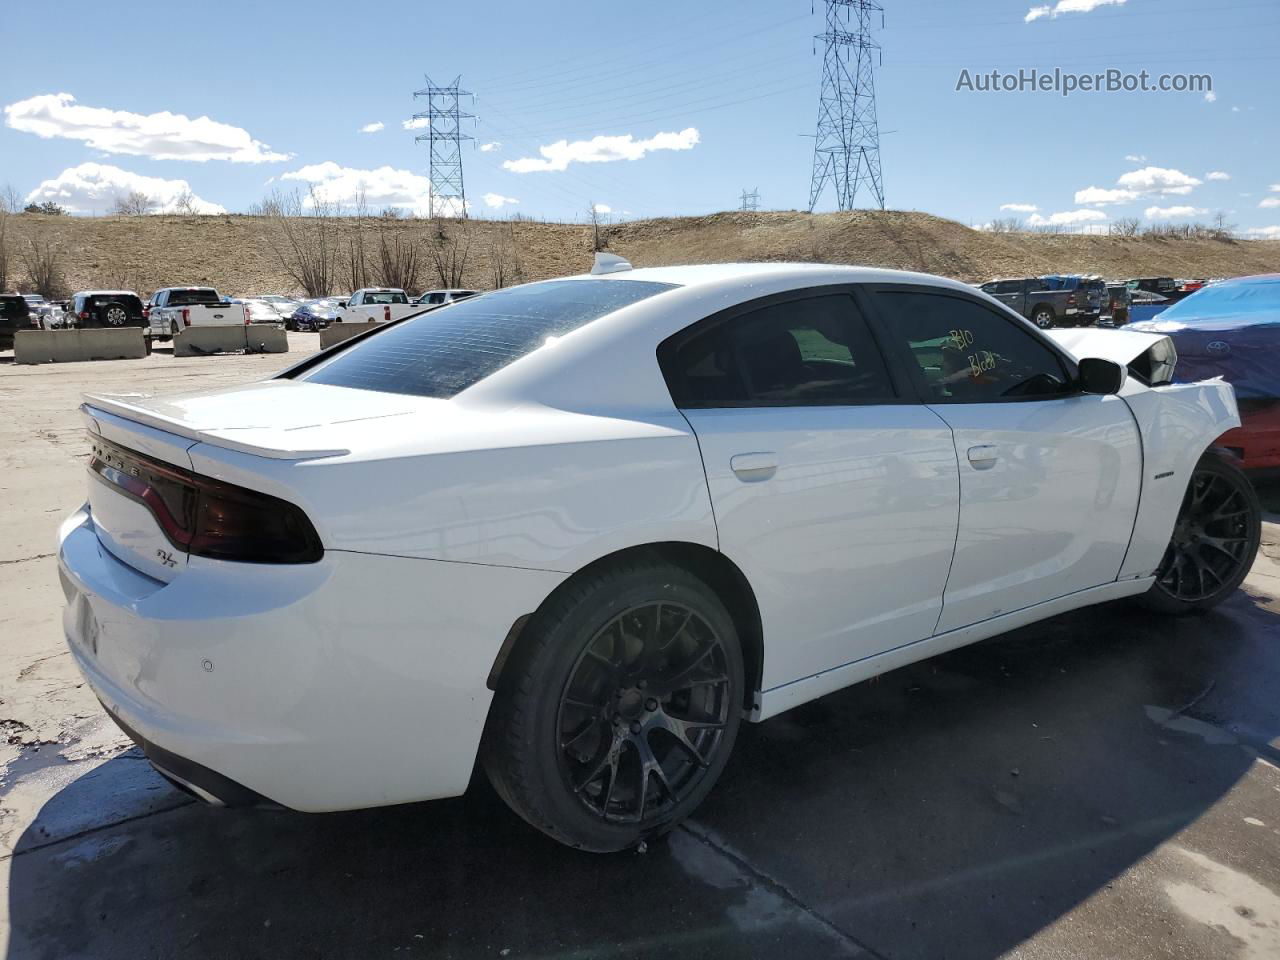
(983, 457)
(752, 467)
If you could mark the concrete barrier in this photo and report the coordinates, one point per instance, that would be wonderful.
(203, 341)
(337, 332)
(66, 346)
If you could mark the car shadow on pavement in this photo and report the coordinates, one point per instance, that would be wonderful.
(949, 809)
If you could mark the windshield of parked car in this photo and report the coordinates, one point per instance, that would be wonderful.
(185, 298)
(1229, 299)
(443, 352)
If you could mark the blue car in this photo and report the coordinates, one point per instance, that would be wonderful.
(314, 314)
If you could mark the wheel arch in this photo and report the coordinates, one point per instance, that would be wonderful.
(720, 574)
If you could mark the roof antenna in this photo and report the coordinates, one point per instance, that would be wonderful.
(609, 263)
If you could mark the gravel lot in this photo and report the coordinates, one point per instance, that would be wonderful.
(1100, 785)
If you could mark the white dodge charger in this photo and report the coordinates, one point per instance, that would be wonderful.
(580, 529)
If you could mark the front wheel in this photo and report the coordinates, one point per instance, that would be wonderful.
(618, 711)
(1214, 542)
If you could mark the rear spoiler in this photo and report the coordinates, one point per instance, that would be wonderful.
(285, 449)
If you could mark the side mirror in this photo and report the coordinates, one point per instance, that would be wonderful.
(1100, 376)
(342, 304)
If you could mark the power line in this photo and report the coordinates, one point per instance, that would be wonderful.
(750, 201)
(846, 147)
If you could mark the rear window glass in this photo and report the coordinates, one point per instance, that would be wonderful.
(184, 298)
(441, 353)
(13, 307)
(386, 297)
(126, 300)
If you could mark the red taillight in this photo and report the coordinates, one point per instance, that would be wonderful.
(186, 317)
(386, 313)
(84, 314)
(146, 313)
(1071, 300)
(246, 316)
(206, 517)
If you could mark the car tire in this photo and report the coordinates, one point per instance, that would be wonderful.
(1215, 540)
(1043, 316)
(113, 315)
(600, 735)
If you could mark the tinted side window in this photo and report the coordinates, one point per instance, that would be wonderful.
(813, 351)
(966, 353)
(1008, 286)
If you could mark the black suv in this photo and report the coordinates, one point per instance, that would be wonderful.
(107, 308)
(15, 315)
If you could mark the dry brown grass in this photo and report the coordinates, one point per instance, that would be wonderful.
(234, 253)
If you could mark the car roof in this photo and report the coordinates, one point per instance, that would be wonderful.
(100, 293)
(712, 274)
(1259, 278)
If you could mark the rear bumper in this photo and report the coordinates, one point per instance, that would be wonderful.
(356, 681)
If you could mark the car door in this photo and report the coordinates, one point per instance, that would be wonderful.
(834, 493)
(1049, 476)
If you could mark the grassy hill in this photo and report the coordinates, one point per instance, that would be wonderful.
(235, 253)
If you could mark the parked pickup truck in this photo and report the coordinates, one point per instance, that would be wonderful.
(377, 303)
(173, 309)
(1037, 300)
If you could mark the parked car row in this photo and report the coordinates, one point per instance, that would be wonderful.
(1084, 300)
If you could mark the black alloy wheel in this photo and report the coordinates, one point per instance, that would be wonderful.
(1215, 537)
(644, 712)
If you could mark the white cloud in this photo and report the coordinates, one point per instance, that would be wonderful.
(383, 187)
(1274, 188)
(1066, 6)
(1158, 180)
(417, 123)
(161, 136)
(1269, 202)
(1235, 109)
(95, 187)
(1210, 96)
(496, 201)
(1020, 207)
(601, 208)
(1217, 175)
(372, 127)
(1101, 196)
(558, 155)
(490, 147)
(1264, 233)
(1135, 158)
(1066, 218)
(1173, 213)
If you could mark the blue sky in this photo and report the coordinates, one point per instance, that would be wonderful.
(709, 98)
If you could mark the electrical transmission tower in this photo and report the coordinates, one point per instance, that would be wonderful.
(444, 136)
(846, 148)
(751, 201)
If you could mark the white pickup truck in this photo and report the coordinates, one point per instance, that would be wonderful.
(377, 303)
(173, 309)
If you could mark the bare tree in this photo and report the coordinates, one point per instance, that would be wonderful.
(1124, 227)
(505, 265)
(306, 246)
(184, 204)
(399, 262)
(48, 208)
(268, 206)
(135, 203)
(4, 247)
(43, 264)
(448, 246)
(1222, 230)
(1005, 225)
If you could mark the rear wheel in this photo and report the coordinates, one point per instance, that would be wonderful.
(1042, 316)
(618, 712)
(1215, 540)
